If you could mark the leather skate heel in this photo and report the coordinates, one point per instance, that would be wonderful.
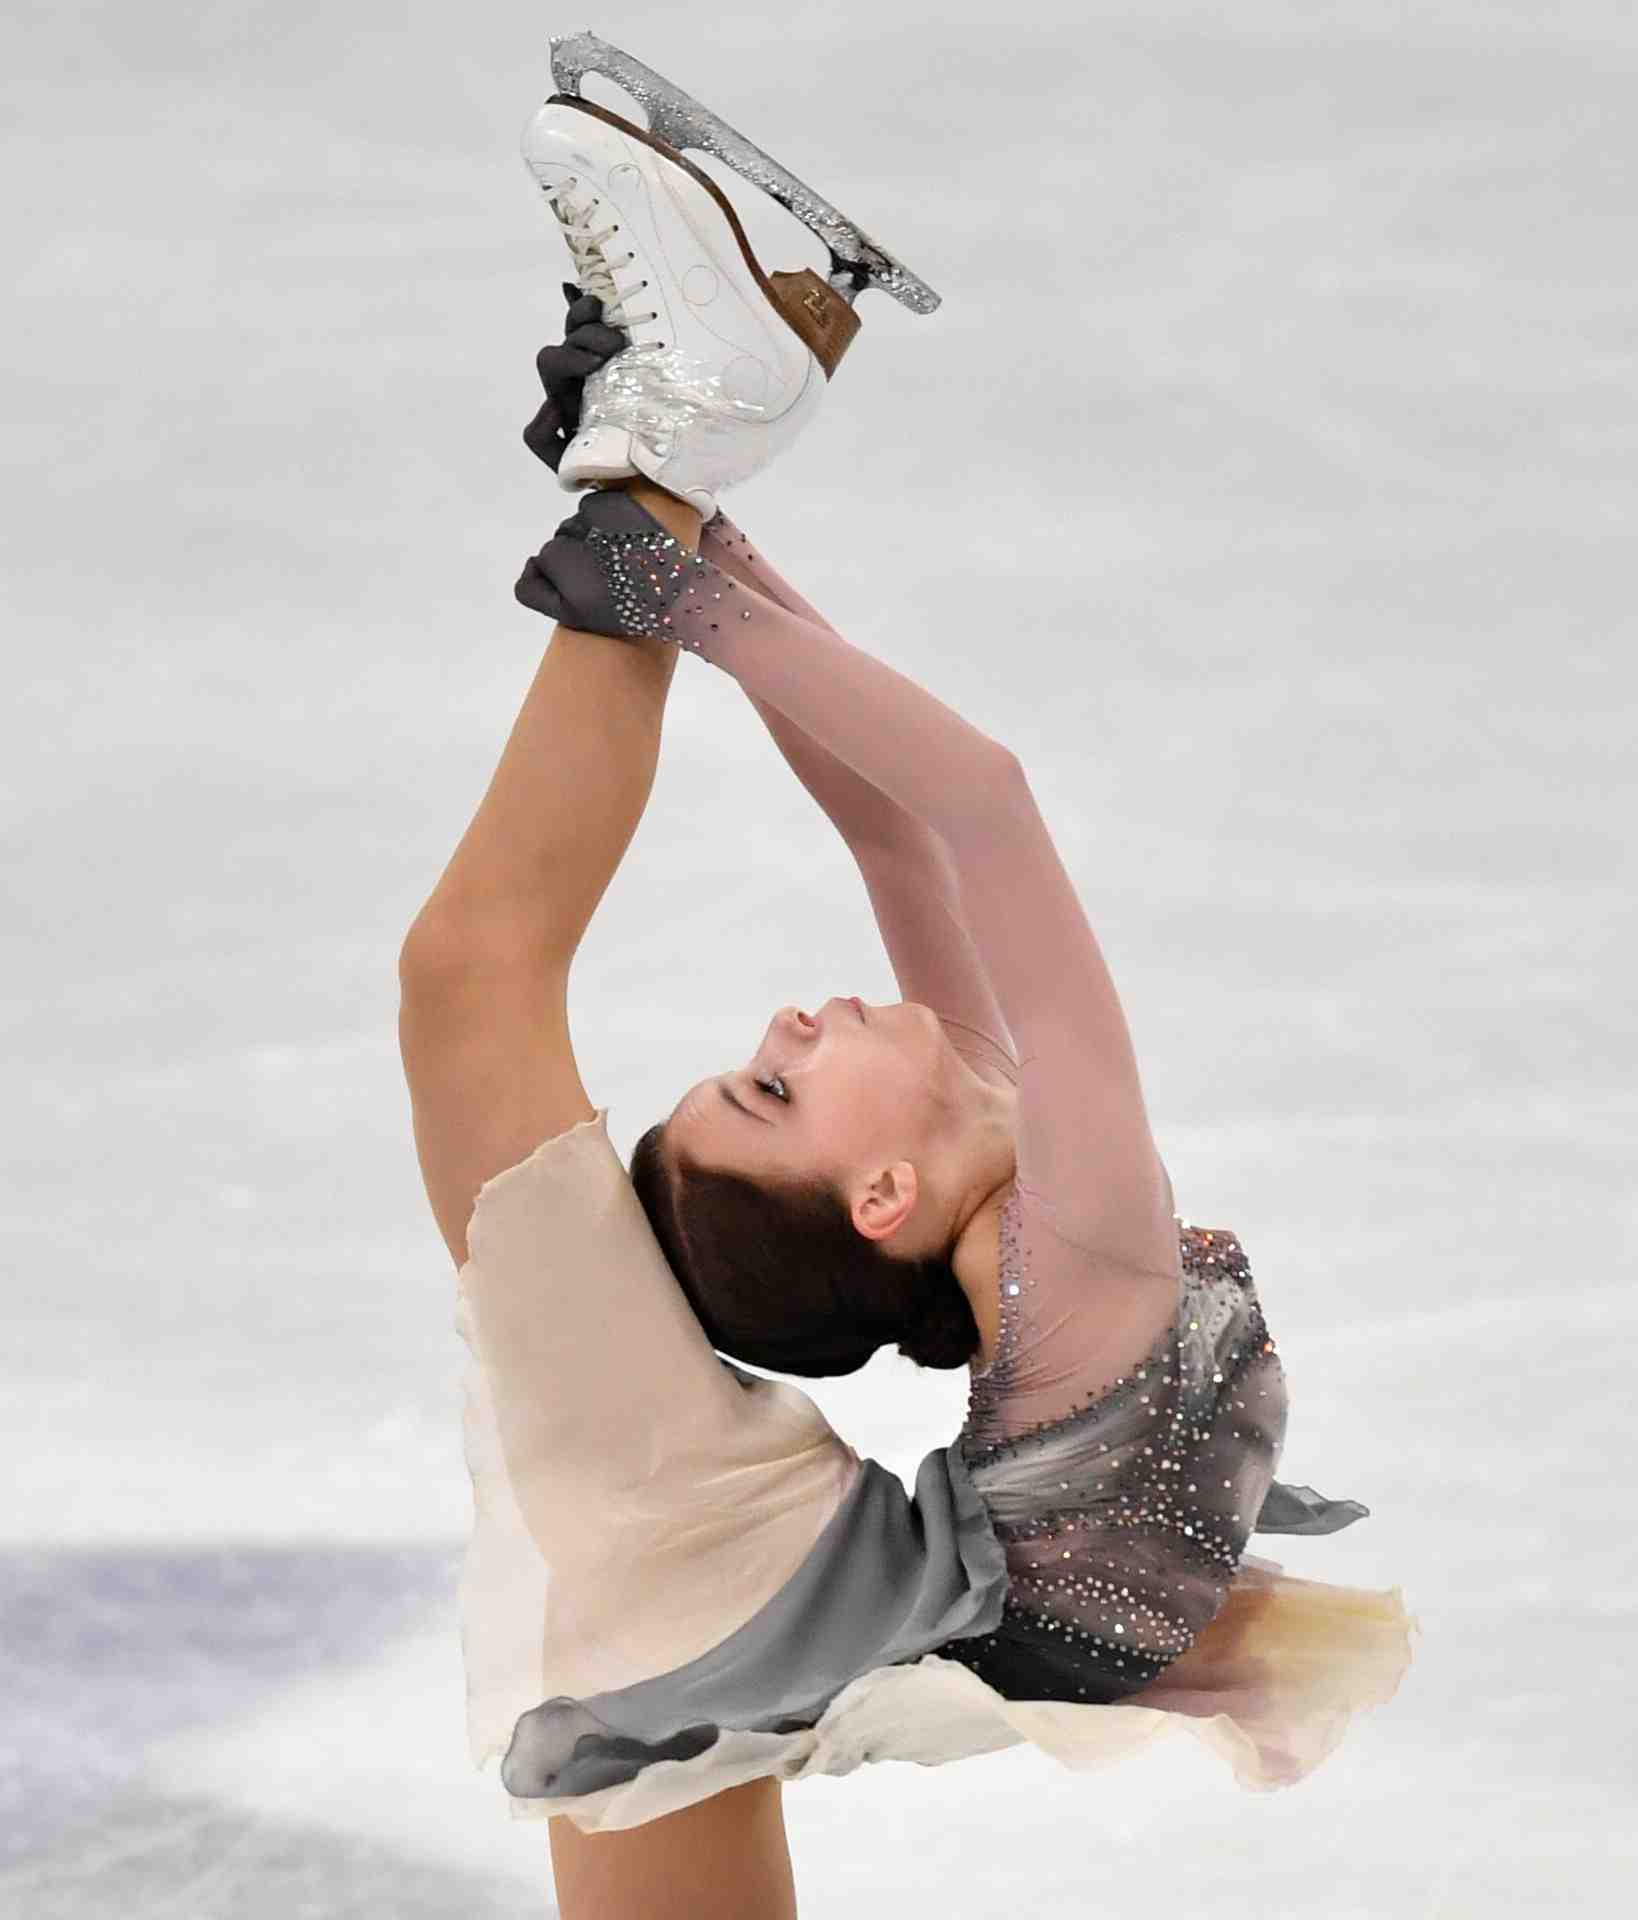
(815, 312)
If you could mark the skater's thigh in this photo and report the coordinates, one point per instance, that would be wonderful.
(725, 1858)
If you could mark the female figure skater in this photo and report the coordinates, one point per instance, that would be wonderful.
(683, 1587)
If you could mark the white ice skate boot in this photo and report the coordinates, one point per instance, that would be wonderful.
(727, 363)
(717, 381)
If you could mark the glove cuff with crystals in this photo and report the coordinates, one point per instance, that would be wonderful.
(612, 568)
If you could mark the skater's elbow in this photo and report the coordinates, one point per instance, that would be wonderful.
(990, 790)
(1005, 784)
(1008, 767)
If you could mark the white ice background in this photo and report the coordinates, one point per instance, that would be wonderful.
(1266, 481)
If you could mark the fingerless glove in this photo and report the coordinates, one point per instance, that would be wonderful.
(563, 368)
(611, 568)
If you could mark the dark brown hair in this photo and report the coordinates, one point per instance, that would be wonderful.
(780, 1278)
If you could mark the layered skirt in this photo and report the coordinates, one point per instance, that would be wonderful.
(680, 1578)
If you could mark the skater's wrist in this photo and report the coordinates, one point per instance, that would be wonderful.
(676, 516)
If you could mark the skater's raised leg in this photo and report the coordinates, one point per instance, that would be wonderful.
(483, 1026)
(567, 794)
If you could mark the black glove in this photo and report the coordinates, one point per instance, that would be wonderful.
(610, 568)
(587, 345)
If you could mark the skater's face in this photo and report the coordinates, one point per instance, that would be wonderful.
(841, 1094)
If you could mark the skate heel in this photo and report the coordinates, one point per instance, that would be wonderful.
(817, 313)
(596, 453)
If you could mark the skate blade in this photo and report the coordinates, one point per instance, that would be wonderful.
(679, 120)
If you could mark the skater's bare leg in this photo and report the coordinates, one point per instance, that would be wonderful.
(571, 784)
(483, 1021)
(725, 1858)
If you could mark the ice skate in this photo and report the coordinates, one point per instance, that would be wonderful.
(727, 362)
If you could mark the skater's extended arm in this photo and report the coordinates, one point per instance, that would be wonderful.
(914, 895)
(906, 867)
(1084, 1142)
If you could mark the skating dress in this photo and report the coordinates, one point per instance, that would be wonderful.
(681, 1578)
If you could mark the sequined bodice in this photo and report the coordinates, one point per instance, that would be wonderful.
(1125, 1511)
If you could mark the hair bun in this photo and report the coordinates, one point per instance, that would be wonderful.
(942, 1332)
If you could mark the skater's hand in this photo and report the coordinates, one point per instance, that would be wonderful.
(587, 345)
(565, 582)
(588, 574)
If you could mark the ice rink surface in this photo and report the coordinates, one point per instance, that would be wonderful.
(1266, 481)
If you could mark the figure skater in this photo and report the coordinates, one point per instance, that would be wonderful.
(683, 1588)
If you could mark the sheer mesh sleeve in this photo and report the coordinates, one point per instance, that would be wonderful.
(1069, 1328)
(907, 869)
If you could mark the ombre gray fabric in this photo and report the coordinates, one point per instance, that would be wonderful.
(1123, 1505)
(892, 1578)
(1290, 1509)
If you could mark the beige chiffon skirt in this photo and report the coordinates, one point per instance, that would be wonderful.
(636, 1501)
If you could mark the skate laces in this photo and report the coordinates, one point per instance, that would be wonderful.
(593, 270)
